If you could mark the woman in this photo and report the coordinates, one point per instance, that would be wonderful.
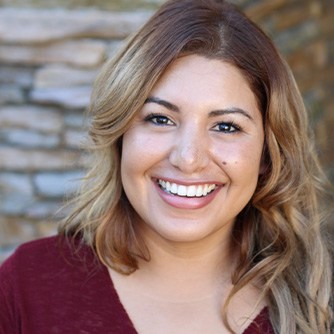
(200, 211)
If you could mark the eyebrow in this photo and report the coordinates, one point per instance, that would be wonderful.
(214, 113)
(232, 110)
(163, 103)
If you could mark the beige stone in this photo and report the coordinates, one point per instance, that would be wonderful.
(16, 159)
(113, 47)
(75, 138)
(31, 117)
(15, 231)
(19, 25)
(44, 209)
(20, 76)
(63, 76)
(68, 97)
(46, 228)
(86, 53)
(11, 94)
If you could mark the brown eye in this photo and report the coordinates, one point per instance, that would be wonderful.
(226, 127)
(159, 120)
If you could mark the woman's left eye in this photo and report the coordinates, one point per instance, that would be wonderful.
(159, 120)
(226, 127)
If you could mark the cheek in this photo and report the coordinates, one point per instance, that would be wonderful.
(237, 157)
(140, 151)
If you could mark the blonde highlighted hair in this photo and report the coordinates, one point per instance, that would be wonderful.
(279, 234)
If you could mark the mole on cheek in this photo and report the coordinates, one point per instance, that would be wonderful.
(224, 162)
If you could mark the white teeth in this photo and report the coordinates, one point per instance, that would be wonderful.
(187, 191)
(199, 191)
(182, 190)
(174, 188)
(191, 191)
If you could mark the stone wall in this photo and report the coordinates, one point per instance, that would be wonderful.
(48, 60)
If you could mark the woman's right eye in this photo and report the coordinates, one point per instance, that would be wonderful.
(159, 120)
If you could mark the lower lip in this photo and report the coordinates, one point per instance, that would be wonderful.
(183, 202)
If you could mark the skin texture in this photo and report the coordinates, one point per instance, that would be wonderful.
(207, 130)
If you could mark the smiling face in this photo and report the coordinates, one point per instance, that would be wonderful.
(191, 158)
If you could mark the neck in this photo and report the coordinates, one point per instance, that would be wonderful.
(185, 269)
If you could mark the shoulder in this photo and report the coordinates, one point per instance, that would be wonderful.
(31, 249)
(57, 278)
(24, 273)
(46, 257)
(44, 247)
(29, 253)
(47, 267)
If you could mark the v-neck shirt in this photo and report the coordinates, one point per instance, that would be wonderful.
(51, 286)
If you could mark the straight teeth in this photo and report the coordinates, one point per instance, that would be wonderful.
(187, 191)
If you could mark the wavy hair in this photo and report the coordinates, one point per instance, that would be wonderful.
(279, 234)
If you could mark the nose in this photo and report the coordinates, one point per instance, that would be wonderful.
(190, 152)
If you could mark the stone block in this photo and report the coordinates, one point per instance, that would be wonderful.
(14, 231)
(16, 183)
(75, 120)
(20, 76)
(86, 53)
(20, 25)
(63, 76)
(113, 47)
(68, 97)
(14, 203)
(46, 228)
(16, 194)
(57, 184)
(17, 159)
(11, 94)
(44, 209)
(75, 138)
(28, 138)
(44, 119)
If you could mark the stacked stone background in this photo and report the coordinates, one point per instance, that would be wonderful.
(50, 53)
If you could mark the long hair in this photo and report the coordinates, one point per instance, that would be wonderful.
(278, 235)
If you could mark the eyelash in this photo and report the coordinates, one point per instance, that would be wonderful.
(162, 120)
(232, 127)
(153, 118)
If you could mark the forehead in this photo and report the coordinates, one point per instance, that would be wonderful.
(198, 81)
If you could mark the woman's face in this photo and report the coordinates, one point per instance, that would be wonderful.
(191, 159)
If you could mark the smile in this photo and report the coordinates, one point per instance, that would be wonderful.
(186, 191)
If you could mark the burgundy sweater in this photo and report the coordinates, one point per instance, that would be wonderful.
(47, 287)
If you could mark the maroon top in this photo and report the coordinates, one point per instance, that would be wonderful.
(46, 287)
